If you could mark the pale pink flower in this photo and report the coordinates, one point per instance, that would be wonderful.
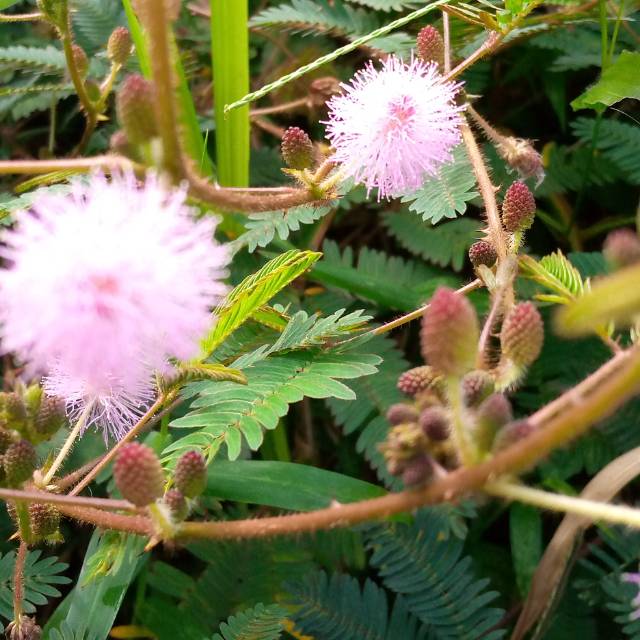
(103, 285)
(394, 127)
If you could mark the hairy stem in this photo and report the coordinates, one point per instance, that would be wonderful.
(592, 509)
(21, 17)
(18, 581)
(45, 497)
(108, 163)
(69, 442)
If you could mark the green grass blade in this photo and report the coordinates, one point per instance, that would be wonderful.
(230, 61)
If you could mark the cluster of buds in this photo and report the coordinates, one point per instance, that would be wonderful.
(141, 480)
(449, 390)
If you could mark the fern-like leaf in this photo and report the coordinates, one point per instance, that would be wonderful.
(556, 273)
(337, 609)
(437, 581)
(258, 623)
(94, 20)
(254, 292)
(617, 141)
(35, 58)
(445, 244)
(225, 412)
(446, 194)
(40, 576)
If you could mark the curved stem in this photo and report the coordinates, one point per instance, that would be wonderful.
(45, 497)
(69, 442)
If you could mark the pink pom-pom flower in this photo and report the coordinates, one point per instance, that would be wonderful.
(102, 286)
(393, 127)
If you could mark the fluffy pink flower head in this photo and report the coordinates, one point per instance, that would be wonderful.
(102, 286)
(393, 127)
(633, 578)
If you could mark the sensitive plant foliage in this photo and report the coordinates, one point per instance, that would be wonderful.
(102, 286)
(394, 126)
(371, 352)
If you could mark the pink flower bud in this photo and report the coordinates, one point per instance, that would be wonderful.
(138, 474)
(522, 334)
(518, 208)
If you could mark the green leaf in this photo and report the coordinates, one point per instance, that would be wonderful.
(445, 244)
(285, 485)
(525, 524)
(40, 576)
(556, 273)
(446, 194)
(5, 4)
(336, 608)
(619, 80)
(230, 64)
(258, 623)
(110, 564)
(47, 58)
(254, 292)
(375, 277)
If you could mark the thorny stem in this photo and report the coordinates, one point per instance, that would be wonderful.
(45, 497)
(489, 45)
(599, 396)
(156, 20)
(592, 509)
(142, 423)
(487, 191)
(18, 581)
(69, 442)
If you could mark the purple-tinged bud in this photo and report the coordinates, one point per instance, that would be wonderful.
(430, 46)
(450, 333)
(512, 433)
(622, 248)
(138, 474)
(297, 149)
(401, 413)
(134, 106)
(80, 59)
(518, 208)
(483, 252)
(476, 386)
(191, 474)
(20, 462)
(418, 470)
(418, 379)
(44, 519)
(50, 416)
(522, 334)
(25, 629)
(119, 45)
(521, 155)
(491, 416)
(177, 504)
(435, 424)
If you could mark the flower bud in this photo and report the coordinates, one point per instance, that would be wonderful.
(418, 379)
(400, 413)
(492, 415)
(417, 470)
(450, 333)
(622, 248)
(119, 45)
(512, 433)
(15, 411)
(482, 252)
(20, 461)
(25, 629)
(191, 474)
(430, 46)
(435, 424)
(476, 386)
(518, 208)
(297, 149)
(134, 106)
(50, 416)
(80, 59)
(176, 504)
(138, 474)
(522, 334)
(521, 156)
(44, 519)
